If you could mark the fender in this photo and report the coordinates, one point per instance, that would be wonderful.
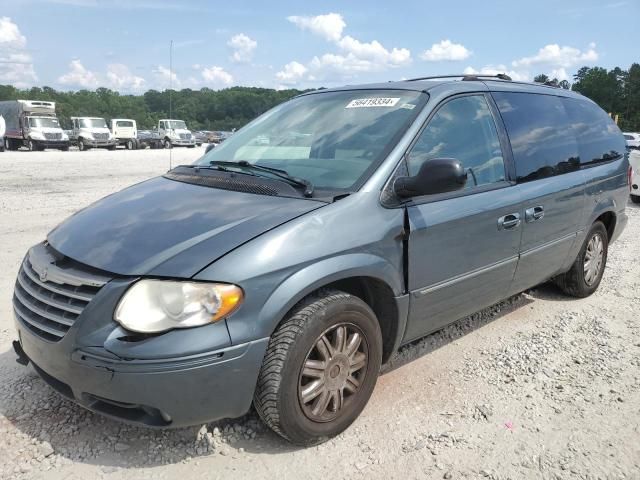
(314, 276)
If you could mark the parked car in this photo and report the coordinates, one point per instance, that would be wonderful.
(632, 139)
(201, 136)
(634, 161)
(287, 264)
(91, 132)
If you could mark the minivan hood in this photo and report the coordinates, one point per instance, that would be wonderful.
(166, 228)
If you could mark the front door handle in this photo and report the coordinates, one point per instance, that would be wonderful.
(534, 213)
(509, 222)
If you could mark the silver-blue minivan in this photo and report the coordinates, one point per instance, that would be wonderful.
(287, 264)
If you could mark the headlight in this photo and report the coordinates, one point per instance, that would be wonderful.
(88, 136)
(37, 136)
(159, 305)
(65, 136)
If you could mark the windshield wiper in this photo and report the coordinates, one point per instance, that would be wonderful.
(281, 174)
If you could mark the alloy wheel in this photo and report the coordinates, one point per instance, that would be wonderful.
(593, 259)
(333, 372)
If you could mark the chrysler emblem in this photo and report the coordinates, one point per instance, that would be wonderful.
(43, 275)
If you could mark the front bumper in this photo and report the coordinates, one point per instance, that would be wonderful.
(167, 392)
(52, 143)
(100, 143)
(182, 142)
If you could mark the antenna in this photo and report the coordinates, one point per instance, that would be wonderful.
(170, 92)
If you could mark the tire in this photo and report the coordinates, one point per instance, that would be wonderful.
(278, 397)
(136, 144)
(635, 198)
(111, 147)
(167, 143)
(191, 146)
(31, 146)
(64, 149)
(81, 145)
(129, 144)
(576, 281)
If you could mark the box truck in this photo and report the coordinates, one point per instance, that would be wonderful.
(32, 124)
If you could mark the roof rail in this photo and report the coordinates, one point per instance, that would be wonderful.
(464, 76)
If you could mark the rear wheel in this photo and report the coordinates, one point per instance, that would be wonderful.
(635, 198)
(320, 368)
(586, 272)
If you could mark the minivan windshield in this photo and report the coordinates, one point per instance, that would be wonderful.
(332, 139)
(93, 123)
(44, 122)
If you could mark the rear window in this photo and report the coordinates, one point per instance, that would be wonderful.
(124, 123)
(541, 137)
(599, 138)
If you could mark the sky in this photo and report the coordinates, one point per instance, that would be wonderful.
(124, 44)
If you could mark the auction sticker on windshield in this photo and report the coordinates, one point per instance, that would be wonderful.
(372, 102)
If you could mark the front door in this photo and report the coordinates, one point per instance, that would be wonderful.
(463, 246)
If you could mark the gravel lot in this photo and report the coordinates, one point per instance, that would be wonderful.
(539, 387)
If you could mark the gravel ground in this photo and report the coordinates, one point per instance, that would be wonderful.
(539, 386)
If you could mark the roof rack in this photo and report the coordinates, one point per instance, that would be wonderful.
(464, 76)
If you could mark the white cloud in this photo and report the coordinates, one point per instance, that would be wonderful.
(353, 57)
(445, 50)
(119, 77)
(164, 76)
(496, 69)
(559, 73)
(79, 76)
(243, 48)
(10, 35)
(16, 64)
(292, 73)
(555, 55)
(329, 26)
(217, 76)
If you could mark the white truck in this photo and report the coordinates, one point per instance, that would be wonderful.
(125, 131)
(33, 124)
(175, 133)
(91, 132)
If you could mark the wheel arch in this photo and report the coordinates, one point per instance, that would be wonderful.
(366, 276)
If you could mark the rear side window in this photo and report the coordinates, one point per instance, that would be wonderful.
(598, 136)
(541, 137)
(464, 129)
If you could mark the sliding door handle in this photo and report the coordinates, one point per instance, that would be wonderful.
(509, 222)
(534, 213)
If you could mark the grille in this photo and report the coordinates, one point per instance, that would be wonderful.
(52, 291)
(101, 136)
(185, 136)
(53, 136)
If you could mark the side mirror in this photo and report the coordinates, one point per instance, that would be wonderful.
(440, 175)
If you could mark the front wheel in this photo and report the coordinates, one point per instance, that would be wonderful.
(320, 368)
(81, 145)
(129, 144)
(167, 143)
(31, 146)
(586, 272)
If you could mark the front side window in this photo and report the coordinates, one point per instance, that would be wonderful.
(542, 141)
(332, 139)
(463, 129)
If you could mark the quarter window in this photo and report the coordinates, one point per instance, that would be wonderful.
(541, 138)
(463, 129)
(597, 135)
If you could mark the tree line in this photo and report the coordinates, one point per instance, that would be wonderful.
(617, 91)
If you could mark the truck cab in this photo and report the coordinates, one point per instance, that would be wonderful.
(33, 124)
(125, 131)
(175, 133)
(91, 132)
